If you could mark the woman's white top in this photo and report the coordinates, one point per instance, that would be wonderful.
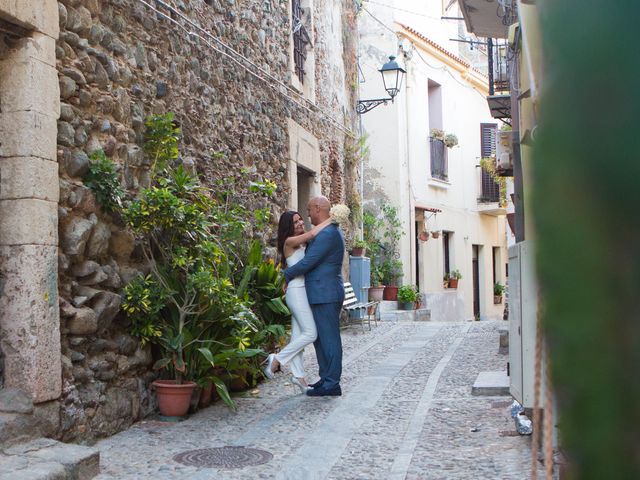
(292, 259)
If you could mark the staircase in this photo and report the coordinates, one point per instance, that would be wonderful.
(25, 455)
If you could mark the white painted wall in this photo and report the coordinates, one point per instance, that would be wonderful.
(399, 166)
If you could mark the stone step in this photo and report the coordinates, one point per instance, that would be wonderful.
(491, 384)
(420, 315)
(46, 459)
(16, 428)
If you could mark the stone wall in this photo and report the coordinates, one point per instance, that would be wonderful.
(118, 62)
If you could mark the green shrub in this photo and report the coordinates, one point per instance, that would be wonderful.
(102, 179)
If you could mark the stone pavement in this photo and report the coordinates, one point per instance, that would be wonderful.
(406, 413)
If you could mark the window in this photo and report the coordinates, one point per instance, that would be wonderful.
(446, 236)
(489, 189)
(439, 166)
(300, 39)
(437, 149)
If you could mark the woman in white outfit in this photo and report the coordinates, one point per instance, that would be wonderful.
(292, 241)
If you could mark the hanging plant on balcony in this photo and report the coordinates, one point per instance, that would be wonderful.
(488, 164)
(450, 140)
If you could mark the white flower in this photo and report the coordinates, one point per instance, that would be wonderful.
(340, 213)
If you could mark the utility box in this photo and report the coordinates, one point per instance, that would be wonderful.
(523, 312)
(360, 277)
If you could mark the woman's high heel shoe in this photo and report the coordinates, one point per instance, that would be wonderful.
(268, 372)
(303, 388)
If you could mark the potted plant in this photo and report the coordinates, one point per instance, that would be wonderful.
(359, 248)
(187, 305)
(377, 288)
(407, 297)
(498, 290)
(392, 272)
(423, 236)
(435, 234)
(454, 277)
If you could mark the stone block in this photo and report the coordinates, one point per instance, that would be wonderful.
(28, 134)
(29, 84)
(15, 467)
(38, 47)
(29, 177)
(29, 320)
(81, 463)
(13, 400)
(84, 322)
(39, 15)
(28, 222)
(491, 384)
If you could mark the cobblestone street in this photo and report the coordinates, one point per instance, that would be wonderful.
(406, 412)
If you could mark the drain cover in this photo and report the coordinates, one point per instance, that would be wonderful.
(224, 457)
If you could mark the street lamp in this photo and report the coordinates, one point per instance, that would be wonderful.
(392, 75)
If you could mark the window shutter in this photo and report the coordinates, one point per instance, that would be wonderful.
(490, 190)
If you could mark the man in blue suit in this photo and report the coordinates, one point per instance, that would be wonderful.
(322, 267)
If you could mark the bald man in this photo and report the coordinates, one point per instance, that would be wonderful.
(322, 267)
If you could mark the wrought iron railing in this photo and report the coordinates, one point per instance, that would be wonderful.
(489, 188)
(499, 68)
(439, 167)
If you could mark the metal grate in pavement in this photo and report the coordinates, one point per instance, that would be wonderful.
(223, 457)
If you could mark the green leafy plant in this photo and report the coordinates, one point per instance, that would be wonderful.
(102, 179)
(449, 139)
(161, 141)
(360, 244)
(455, 274)
(498, 289)
(407, 293)
(210, 302)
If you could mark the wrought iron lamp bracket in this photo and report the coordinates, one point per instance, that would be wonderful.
(365, 105)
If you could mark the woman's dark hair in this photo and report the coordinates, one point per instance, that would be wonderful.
(285, 230)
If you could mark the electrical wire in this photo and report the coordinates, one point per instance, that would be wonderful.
(420, 55)
(237, 58)
(403, 10)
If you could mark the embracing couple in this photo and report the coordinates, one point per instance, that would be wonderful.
(314, 294)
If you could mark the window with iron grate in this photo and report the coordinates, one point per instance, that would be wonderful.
(439, 165)
(300, 39)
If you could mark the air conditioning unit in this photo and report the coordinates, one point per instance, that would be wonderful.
(504, 151)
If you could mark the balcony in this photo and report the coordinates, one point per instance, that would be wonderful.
(488, 19)
(499, 98)
(489, 198)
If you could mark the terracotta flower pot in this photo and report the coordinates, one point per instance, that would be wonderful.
(390, 293)
(423, 236)
(357, 251)
(173, 399)
(497, 299)
(435, 234)
(453, 283)
(375, 293)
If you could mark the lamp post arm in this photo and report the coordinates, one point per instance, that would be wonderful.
(365, 105)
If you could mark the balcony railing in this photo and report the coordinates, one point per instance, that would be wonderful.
(497, 52)
(489, 188)
(439, 167)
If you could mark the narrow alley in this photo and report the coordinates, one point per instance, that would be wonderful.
(406, 412)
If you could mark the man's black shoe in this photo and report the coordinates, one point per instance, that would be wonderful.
(324, 392)
(317, 384)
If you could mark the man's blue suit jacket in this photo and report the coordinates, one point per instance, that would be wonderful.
(322, 267)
